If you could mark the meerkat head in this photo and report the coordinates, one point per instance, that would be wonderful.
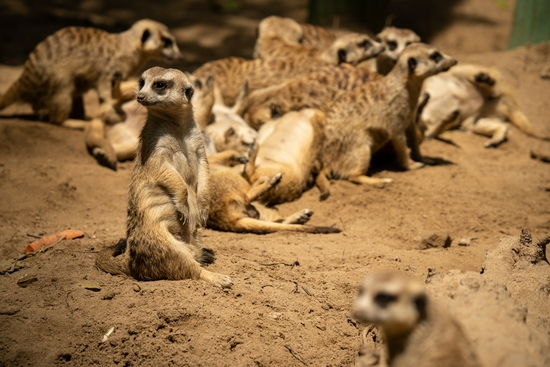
(393, 301)
(395, 40)
(156, 41)
(165, 91)
(286, 29)
(352, 48)
(423, 60)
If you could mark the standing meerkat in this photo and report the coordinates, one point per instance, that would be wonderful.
(395, 40)
(365, 119)
(74, 60)
(417, 331)
(168, 191)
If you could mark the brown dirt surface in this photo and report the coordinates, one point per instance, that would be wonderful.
(290, 305)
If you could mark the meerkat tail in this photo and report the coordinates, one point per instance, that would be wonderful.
(12, 95)
(509, 108)
(113, 259)
(256, 226)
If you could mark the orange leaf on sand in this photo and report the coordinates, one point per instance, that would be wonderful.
(51, 239)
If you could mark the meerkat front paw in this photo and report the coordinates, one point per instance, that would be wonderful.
(303, 217)
(275, 179)
(216, 279)
(484, 78)
(104, 159)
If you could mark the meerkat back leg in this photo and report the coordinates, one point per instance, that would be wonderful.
(60, 105)
(323, 184)
(489, 126)
(301, 217)
(98, 145)
(399, 142)
(357, 175)
(107, 108)
(255, 192)
(267, 214)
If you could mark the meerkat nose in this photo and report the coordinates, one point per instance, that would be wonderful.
(140, 97)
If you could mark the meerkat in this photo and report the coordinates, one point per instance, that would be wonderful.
(315, 90)
(74, 60)
(233, 72)
(475, 98)
(319, 37)
(417, 331)
(292, 146)
(233, 208)
(278, 28)
(363, 120)
(168, 190)
(395, 40)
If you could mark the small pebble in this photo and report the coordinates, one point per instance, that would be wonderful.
(464, 242)
(25, 280)
(137, 288)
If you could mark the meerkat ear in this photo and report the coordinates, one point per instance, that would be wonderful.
(342, 55)
(412, 63)
(145, 36)
(188, 92)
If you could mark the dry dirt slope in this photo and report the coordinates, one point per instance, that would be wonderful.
(48, 182)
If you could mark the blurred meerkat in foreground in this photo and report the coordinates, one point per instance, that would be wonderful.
(363, 120)
(395, 40)
(417, 331)
(74, 60)
(168, 190)
(475, 98)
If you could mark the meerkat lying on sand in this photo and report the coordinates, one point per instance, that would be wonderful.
(417, 331)
(168, 191)
(234, 209)
(315, 90)
(473, 97)
(292, 146)
(362, 121)
(74, 60)
(395, 40)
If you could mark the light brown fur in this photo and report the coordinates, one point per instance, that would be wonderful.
(319, 37)
(168, 191)
(292, 146)
(318, 90)
(475, 98)
(395, 40)
(417, 331)
(233, 208)
(281, 29)
(75, 59)
(365, 119)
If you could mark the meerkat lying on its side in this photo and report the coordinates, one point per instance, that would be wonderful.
(315, 90)
(363, 120)
(168, 190)
(232, 72)
(395, 40)
(417, 331)
(233, 209)
(474, 98)
(292, 146)
(74, 60)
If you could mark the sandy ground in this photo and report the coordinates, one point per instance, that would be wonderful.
(290, 304)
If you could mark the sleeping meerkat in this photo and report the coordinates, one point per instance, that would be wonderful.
(292, 146)
(361, 121)
(234, 209)
(473, 97)
(74, 60)
(232, 72)
(315, 90)
(395, 40)
(168, 190)
(417, 331)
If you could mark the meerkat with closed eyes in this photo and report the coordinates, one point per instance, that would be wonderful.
(417, 331)
(168, 190)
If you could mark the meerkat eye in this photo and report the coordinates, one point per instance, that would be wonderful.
(383, 299)
(189, 93)
(365, 44)
(436, 57)
(408, 43)
(167, 42)
(161, 85)
(141, 83)
(301, 40)
(392, 45)
(275, 111)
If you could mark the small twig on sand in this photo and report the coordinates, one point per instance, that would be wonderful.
(307, 290)
(295, 263)
(343, 225)
(296, 355)
(33, 235)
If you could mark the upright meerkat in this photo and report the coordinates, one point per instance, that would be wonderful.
(475, 98)
(292, 146)
(395, 40)
(168, 191)
(318, 90)
(417, 331)
(74, 60)
(234, 208)
(232, 72)
(363, 120)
